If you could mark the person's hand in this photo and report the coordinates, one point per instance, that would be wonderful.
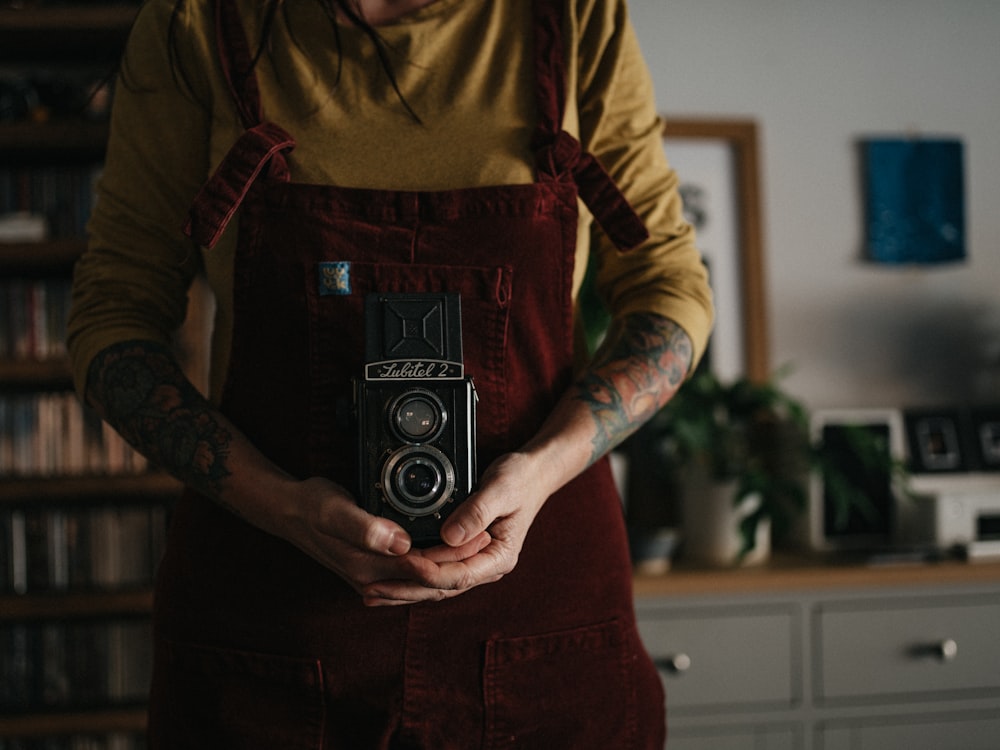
(493, 522)
(361, 548)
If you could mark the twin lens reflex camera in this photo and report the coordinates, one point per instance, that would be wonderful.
(416, 412)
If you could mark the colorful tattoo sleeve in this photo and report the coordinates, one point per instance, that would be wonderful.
(141, 391)
(641, 364)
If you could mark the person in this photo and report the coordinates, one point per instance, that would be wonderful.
(489, 149)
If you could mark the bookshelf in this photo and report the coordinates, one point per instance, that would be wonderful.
(82, 518)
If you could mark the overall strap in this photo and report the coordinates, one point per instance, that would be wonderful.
(559, 155)
(262, 146)
(236, 60)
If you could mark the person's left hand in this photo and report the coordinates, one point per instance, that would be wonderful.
(509, 496)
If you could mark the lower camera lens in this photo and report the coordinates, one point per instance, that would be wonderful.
(418, 480)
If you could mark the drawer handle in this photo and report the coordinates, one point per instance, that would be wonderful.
(945, 650)
(677, 663)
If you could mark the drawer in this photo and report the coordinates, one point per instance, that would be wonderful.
(929, 732)
(906, 648)
(716, 659)
(735, 738)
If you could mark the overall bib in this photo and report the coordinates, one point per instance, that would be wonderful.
(257, 645)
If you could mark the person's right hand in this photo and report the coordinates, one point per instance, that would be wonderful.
(324, 521)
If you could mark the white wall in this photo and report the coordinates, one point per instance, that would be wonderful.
(816, 75)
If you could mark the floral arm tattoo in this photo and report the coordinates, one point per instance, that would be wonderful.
(139, 389)
(641, 364)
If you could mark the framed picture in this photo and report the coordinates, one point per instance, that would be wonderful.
(953, 439)
(717, 162)
(985, 428)
(936, 440)
(852, 491)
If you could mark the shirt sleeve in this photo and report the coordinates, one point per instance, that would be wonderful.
(619, 124)
(133, 279)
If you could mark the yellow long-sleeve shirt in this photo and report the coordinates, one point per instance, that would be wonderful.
(467, 69)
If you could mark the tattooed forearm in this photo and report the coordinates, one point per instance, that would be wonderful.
(635, 372)
(139, 389)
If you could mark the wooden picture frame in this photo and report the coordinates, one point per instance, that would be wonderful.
(743, 260)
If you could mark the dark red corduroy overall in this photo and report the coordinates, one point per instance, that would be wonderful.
(258, 646)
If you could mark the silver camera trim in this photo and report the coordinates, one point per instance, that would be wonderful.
(443, 488)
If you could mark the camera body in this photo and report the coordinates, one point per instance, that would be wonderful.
(416, 412)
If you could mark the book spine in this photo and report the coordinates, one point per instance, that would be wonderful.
(80, 549)
(75, 664)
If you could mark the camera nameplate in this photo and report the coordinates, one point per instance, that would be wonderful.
(414, 369)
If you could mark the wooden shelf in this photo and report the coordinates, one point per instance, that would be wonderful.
(49, 374)
(61, 605)
(90, 32)
(82, 17)
(790, 573)
(81, 722)
(40, 258)
(54, 141)
(68, 490)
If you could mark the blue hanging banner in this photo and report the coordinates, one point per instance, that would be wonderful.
(915, 200)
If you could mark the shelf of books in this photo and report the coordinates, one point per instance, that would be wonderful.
(83, 517)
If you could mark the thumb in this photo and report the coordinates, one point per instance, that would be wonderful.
(469, 520)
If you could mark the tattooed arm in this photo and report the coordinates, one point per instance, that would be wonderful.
(139, 389)
(641, 366)
(642, 363)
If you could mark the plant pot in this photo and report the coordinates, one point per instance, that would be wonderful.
(711, 524)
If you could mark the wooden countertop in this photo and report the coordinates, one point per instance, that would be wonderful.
(791, 573)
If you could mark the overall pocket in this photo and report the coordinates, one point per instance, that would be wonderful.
(214, 698)
(569, 689)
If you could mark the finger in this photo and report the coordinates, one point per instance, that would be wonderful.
(443, 553)
(419, 570)
(362, 530)
(422, 568)
(362, 569)
(389, 598)
(445, 580)
(394, 593)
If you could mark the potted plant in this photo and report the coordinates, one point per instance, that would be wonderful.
(740, 455)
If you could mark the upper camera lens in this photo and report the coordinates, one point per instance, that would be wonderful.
(417, 416)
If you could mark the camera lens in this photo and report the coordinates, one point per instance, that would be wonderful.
(417, 416)
(418, 480)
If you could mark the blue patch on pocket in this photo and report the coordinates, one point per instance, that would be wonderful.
(334, 278)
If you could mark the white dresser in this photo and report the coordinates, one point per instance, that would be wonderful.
(804, 656)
